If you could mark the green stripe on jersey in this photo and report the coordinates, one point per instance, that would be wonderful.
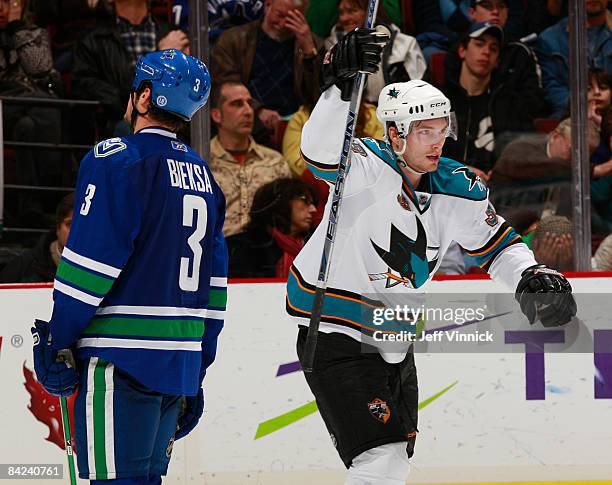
(82, 278)
(217, 297)
(99, 417)
(146, 327)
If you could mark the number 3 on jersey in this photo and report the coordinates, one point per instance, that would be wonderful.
(89, 193)
(192, 204)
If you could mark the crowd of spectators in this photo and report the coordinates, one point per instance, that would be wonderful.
(504, 64)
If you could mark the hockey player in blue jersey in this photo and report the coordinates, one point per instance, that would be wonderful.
(403, 205)
(140, 292)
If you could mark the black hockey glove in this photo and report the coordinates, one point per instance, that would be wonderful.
(358, 51)
(545, 294)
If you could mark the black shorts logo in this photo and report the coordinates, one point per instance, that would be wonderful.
(379, 410)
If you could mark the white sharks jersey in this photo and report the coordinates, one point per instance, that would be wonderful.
(391, 237)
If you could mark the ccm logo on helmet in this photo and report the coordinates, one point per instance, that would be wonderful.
(435, 105)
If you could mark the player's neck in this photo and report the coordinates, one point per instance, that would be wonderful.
(145, 122)
(413, 178)
(232, 141)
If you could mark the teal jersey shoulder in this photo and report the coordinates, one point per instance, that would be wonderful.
(455, 179)
(381, 149)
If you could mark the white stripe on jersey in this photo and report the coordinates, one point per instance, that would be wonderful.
(109, 422)
(76, 294)
(215, 314)
(88, 263)
(167, 311)
(89, 416)
(101, 342)
(218, 281)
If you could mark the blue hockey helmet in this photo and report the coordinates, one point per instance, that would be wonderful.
(180, 84)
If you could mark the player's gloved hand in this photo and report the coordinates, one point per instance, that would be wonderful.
(358, 51)
(189, 417)
(544, 294)
(56, 375)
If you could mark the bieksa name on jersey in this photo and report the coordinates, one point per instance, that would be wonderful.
(188, 176)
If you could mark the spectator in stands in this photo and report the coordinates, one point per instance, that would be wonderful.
(367, 125)
(484, 104)
(239, 164)
(517, 67)
(602, 261)
(225, 14)
(70, 20)
(40, 263)
(598, 94)
(402, 57)
(26, 70)
(322, 15)
(553, 244)
(541, 14)
(602, 158)
(540, 156)
(104, 59)
(552, 50)
(276, 57)
(601, 183)
(280, 220)
(440, 23)
(456, 13)
(536, 156)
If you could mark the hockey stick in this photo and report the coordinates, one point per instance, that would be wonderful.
(66, 356)
(334, 213)
(68, 439)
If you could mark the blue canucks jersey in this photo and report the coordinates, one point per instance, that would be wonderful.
(142, 282)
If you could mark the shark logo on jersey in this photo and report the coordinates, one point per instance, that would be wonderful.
(407, 257)
(109, 147)
(472, 177)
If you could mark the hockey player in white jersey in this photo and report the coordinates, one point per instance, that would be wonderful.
(403, 204)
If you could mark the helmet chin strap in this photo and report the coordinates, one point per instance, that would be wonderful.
(135, 112)
(402, 163)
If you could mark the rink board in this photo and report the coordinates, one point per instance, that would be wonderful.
(260, 427)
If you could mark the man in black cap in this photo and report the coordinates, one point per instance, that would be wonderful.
(484, 102)
(517, 62)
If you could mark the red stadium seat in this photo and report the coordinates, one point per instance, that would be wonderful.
(276, 136)
(436, 68)
(162, 9)
(545, 125)
(408, 25)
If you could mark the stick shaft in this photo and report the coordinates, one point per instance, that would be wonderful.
(334, 213)
(68, 440)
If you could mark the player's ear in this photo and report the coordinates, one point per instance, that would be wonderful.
(393, 136)
(145, 97)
